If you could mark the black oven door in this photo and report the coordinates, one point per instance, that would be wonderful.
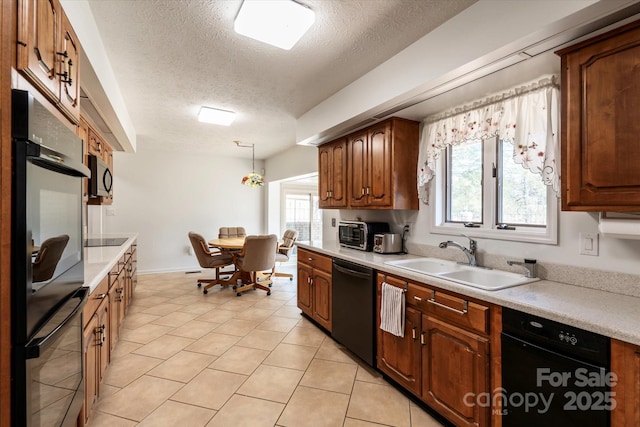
(53, 367)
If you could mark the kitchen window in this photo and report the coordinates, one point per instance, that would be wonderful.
(489, 170)
(482, 192)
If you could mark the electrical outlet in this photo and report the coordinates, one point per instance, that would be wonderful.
(333, 222)
(111, 211)
(407, 229)
(589, 244)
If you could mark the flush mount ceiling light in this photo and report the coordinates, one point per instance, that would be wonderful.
(280, 23)
(215, 116)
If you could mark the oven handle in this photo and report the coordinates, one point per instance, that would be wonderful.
(36, 347)
(351, 272)
(48, 158)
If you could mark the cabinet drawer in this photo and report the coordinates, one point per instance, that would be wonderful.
(315, 260)
(448, 307)
(95, 298)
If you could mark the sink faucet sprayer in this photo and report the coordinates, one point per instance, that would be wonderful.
(470, 252)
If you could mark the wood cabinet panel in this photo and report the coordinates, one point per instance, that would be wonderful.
(332, 167)
(48, 53)
(455, 363)
(600, 98)
(380, 172)
(399, 357)
(305, 296)
(358, 168)
(452, 308)
(314, 286)
(322, 298)
(625, 363)
(91, 365)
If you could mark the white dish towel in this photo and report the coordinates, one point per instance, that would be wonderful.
(392, 310)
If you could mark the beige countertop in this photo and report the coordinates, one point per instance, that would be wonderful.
(611, 314)
(98, 261)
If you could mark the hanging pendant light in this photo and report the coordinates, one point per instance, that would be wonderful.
(252, 179)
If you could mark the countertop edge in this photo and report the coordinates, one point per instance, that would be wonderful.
(98, 261)
(607, 313)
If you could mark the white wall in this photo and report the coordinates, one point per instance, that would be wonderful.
(164, 195)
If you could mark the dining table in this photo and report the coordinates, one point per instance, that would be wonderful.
(232, 245)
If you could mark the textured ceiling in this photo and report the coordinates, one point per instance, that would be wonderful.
(170, 57)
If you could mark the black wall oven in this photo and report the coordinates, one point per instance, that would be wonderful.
(47, 267)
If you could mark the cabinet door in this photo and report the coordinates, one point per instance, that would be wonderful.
(69, 69)
(305, 296)
(321, 284)
(325, 179)
(399, 357)
(625, 363)
(95, 143)
(103, 345)
(455, 365)
(339, 174)
(600, 155)
(38, 31)
(91, 365)
(379, 189)
(114, 316)
(358, 170)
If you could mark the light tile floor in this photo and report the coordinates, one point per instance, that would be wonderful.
(193, 360)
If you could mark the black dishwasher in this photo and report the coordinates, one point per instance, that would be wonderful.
(353, 302)
(553, 375)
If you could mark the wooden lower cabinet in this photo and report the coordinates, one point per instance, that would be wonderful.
(103, 316)
(91, 366)
(314, 286)
(441, 359)
(625, 363)
(400, 357)
(455, 369)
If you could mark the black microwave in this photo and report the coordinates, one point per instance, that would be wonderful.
(101, 178)
(359, 234)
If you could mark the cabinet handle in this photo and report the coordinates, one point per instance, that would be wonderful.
(362, 191)
(309, 259)
(368, 190)
(413, 333)
(422, 338)
(417, 298)
(465, 305)
(100, 296)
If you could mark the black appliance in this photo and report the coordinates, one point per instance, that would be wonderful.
(359, 234)
(352, 308)
(47, 272)
(553, 375)
(101, 179)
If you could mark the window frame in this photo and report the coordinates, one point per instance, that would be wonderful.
(489, 226)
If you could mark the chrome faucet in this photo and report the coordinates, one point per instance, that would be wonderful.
(470, 252)
(529, 265)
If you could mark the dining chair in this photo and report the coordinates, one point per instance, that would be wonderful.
(258, 258)
(208, 259)
(48, 257)
(284, 251)
(227, 232)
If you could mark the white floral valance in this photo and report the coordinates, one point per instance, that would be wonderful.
(526, 116)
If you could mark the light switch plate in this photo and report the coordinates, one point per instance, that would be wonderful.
(589, 244)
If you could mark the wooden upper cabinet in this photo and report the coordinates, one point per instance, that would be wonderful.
(69, 62)
(382, 163)
(48, 53)
(600, 103)
(332, 166)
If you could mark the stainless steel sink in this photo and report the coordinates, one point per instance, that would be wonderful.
(477, 277)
